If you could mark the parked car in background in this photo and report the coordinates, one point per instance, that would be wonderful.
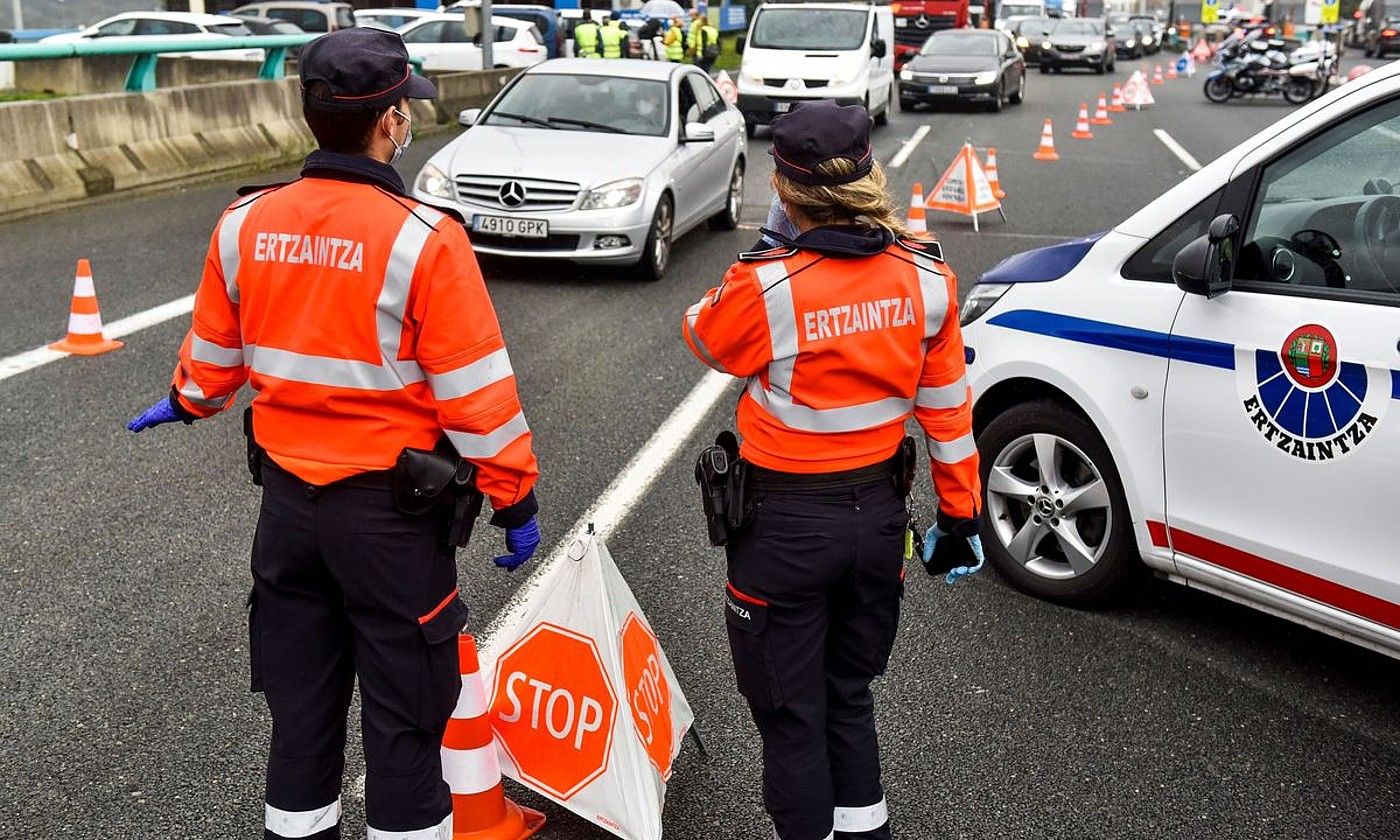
(1078, 42)
(665, 153)
(310, 16)
(274, 26)
(545, 19)
(1384, 39)
(1029, 33)
(185, 25)
(967, 65)
(389, 18)
(442, 43)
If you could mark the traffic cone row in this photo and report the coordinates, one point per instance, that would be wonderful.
(1081, 127)
(1101, 112)
(1082, 130)
(85, 337)
(1116, 106)
(480, 810)
(1171, 70)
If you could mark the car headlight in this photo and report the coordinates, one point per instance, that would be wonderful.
(432, 181)
(1130, 43)
(980, 299)
(906, 75)
(610, 196)
(1045, 45)
(1022, 43)
(985, 78)
(752, 80)
(1097, 46)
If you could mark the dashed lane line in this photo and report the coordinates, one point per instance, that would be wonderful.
(909, 146)
(30, 359)
(1178, 150)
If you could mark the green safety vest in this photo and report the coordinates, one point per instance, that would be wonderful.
(675, 44)
(612, 36)
(586, 40)
(702, 35)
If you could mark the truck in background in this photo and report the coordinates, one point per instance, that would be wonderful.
(916, 20)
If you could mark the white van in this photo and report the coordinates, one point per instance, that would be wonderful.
(806, 51)
(1018, 8)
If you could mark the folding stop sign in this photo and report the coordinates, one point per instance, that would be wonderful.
(584, 704)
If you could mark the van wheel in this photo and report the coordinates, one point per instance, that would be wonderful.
(750, 129)
(883, 118)
(656, 254)
(728, 218)
(1057, 524)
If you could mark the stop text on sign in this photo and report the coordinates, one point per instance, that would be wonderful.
(563, 717)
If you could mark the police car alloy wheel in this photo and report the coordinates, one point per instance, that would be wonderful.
(1056, 521)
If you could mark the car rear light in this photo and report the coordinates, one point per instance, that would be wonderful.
(1388, 33)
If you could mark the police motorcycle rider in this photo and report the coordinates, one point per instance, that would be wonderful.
(841, 332)
(371, 471)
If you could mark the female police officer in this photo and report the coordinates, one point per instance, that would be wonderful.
(841, 333)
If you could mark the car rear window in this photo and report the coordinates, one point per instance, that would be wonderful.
(233, 29)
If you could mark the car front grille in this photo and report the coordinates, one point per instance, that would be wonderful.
(485, 191)
(554, 242)
(1069, 48)
(807, 83)
(942, 79)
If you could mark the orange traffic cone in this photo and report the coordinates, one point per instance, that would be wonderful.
(1157, 75)
(992, 175)
(1116, 105)
(1047, 144)
(917, 220)
(85, 336)
(480, 810)
(1081, 127)
(1171, 70)
(1101, 112)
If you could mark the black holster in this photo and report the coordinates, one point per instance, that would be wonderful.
(427, 480)
(723, 480)
(255, 452)
(906, 466)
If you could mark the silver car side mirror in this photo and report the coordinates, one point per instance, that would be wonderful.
(468, 118)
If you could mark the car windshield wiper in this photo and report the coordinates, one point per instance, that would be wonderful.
(586, 124)
(524, 119)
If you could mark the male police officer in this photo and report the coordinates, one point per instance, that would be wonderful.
(361, 320)
(586, 38)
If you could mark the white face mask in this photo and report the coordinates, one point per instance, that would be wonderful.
(407, 141)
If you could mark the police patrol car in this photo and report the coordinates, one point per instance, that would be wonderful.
(1213, 386)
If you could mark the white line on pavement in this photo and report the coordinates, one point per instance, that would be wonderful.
(30, 359)
(1177, 149)
(908, 148)
(612, 507)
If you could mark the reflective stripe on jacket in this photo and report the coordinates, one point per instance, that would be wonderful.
(586, 40)
(361, 320)
(612, 37)
(838, 353)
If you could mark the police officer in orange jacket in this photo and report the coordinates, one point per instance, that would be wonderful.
(360, 319)
(841, 333)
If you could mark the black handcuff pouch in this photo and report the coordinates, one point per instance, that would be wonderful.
(424, 480)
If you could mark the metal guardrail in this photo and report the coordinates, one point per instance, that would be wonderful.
(145, 51)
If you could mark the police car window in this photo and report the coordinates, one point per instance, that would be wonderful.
(1327, 213)
(1153, 261)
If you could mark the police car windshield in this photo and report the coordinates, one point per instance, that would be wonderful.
(809, 29)
(952, 42)
(584, 103)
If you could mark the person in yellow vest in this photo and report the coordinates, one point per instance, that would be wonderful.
(703, 41)
(586, 37)
(674, 41)
(613, 38)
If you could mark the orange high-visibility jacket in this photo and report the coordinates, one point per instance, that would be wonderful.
(838, 352)
(361, 320)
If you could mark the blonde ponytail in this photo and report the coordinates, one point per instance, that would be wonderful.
(863, 201)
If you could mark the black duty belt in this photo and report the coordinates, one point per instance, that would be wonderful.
(766, 479)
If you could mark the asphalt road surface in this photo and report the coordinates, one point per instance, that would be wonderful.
(124, 709)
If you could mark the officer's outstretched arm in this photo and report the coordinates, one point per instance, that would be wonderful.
(457, 341)
(728, 328)
(211, 368)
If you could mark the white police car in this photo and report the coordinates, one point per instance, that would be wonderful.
(1213, 386)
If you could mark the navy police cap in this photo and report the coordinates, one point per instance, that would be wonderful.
(363, 69)
(815, 132)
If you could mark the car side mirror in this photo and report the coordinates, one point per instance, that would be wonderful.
(878, 48)
(468, 118)
(698, 133)
(1110, 32)
(1206, 266)
(740, 44)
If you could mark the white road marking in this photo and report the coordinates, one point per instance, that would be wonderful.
(612, 507)
(1177, 149)
(30, 359)
(908, 148)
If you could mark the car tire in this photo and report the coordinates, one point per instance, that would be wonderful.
(1368, 52)
(998, 98)
(1031, 555)
(1020, 95)
(656, 253)
(1044, 69)
(728, 218)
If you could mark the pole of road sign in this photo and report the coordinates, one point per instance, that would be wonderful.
(18, 14)
(488, 36)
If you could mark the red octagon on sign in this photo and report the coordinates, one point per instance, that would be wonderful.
(648, 692)
(554, 710)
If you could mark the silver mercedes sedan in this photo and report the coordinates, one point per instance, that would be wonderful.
(594, 161)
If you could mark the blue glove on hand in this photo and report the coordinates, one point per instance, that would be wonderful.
(161, 412)
(521, 542)
(945, 553)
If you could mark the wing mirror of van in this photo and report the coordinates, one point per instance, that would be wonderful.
(468, 118)
(878, 48)
(1206, 266)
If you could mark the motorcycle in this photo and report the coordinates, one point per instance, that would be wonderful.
(1259, 67)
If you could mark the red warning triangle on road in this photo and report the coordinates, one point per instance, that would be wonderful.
(1136, 93)
(965, 189)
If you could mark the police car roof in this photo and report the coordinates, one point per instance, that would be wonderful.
(622, 67)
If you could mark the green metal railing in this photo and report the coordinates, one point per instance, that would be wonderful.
(145, 51)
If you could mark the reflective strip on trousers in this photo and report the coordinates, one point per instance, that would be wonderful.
(934, 288)
(301, 823)
(691, 315)
(229, 256)
(472, 376)
(868, 818)
(471, 771)
(215, 354)
(490, 444)
(952, 451)
(441, 831)
(942, 396)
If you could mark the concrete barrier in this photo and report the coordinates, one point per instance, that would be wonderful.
(107, 73)
(59, 151)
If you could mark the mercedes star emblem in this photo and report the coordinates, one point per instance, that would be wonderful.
(511, 194)
(921, 21)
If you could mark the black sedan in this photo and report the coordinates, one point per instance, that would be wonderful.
(1078, 42)
(1384, 38)
(968, 65)
(1131, 38)
(1030, 34)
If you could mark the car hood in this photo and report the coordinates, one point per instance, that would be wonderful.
(555, 155)
(801, 64)
(953, 63)
(1076, 40)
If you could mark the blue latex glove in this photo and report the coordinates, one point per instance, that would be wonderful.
(521, 542)
(953, 552)
(161, 412)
